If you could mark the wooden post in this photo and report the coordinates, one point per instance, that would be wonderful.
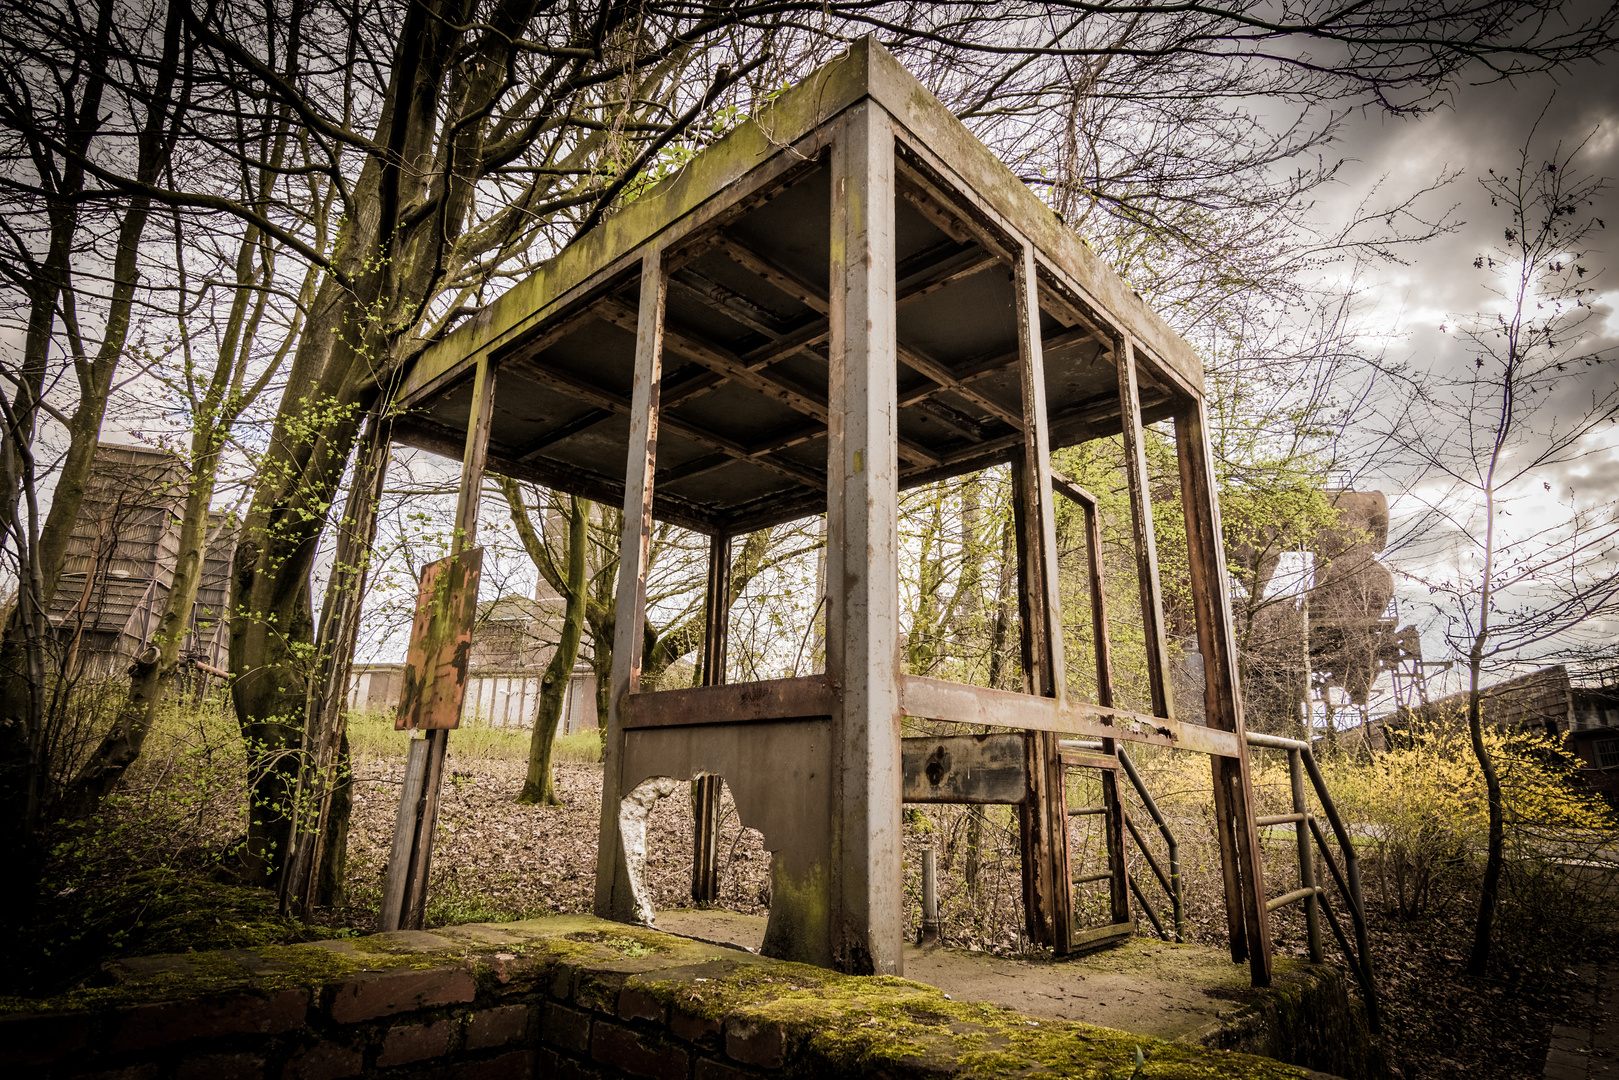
(1043, 818)
(1233, 786)
(862, 550)
(404, 892)
(705, 790)
(613, 896)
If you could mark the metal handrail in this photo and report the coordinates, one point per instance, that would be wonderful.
(1173, 885)
(1301, 758)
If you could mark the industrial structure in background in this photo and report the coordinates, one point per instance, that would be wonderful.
(120, 567)
(1338, 630)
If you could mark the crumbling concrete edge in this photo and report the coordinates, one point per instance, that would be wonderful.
(517, 1000)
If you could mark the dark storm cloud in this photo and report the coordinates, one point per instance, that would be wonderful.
(1485, 127)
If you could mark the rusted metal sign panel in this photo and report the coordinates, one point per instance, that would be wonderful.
(965, 769)
(440, 644)
(938, 699)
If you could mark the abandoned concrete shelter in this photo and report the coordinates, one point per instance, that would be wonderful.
(846, 296)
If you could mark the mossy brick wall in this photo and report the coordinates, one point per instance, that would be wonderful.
(559, 997)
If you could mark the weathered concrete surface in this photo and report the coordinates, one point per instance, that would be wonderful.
(1180, 993)
(560, 996)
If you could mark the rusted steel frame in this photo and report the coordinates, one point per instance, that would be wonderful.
(926, 365)
(585, 422)
(862, 548)
(1312, 918)
(919, 362)
(991, 363)
(751, 374)
(964, 217)
(1146, 541)
(1152, 860)
(730, 703)
(705, 868)
(778, 276)
(940, 204)
(1146, 907)
(585, 391)
(1171, 847)
(1211, 597)
(614, 899)
(1085, 418)
(555, 474)
(1048, 897)
(940, 699)
(1117, 854)
(723, 300)
(1080, 415)
(773, 176)
(405, 887)
(698, 466)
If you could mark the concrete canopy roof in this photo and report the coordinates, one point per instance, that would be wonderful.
(745, 230)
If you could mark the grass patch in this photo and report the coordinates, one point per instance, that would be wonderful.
(372, 734)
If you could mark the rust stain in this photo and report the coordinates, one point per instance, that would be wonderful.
(440, 644)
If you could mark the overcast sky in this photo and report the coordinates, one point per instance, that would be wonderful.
(1484, 127)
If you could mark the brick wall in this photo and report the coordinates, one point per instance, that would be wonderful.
(565, 997)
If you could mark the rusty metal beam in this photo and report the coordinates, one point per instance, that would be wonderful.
(732, 703)
(583, 390)
(958, 703)
(705, 868)
(1247, 917)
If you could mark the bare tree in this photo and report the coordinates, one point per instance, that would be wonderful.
(1518, 575)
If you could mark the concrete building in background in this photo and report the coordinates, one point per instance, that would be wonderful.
(120, 567)
(1584, 718)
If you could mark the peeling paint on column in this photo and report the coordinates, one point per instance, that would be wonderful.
(632, 815)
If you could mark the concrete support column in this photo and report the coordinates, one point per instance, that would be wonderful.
(614, 899)
(862, 550)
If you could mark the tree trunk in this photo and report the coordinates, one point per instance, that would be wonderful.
(1478, 961)
(537, 786)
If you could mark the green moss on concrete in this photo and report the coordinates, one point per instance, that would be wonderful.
(835, 1025)
(854, 1025)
